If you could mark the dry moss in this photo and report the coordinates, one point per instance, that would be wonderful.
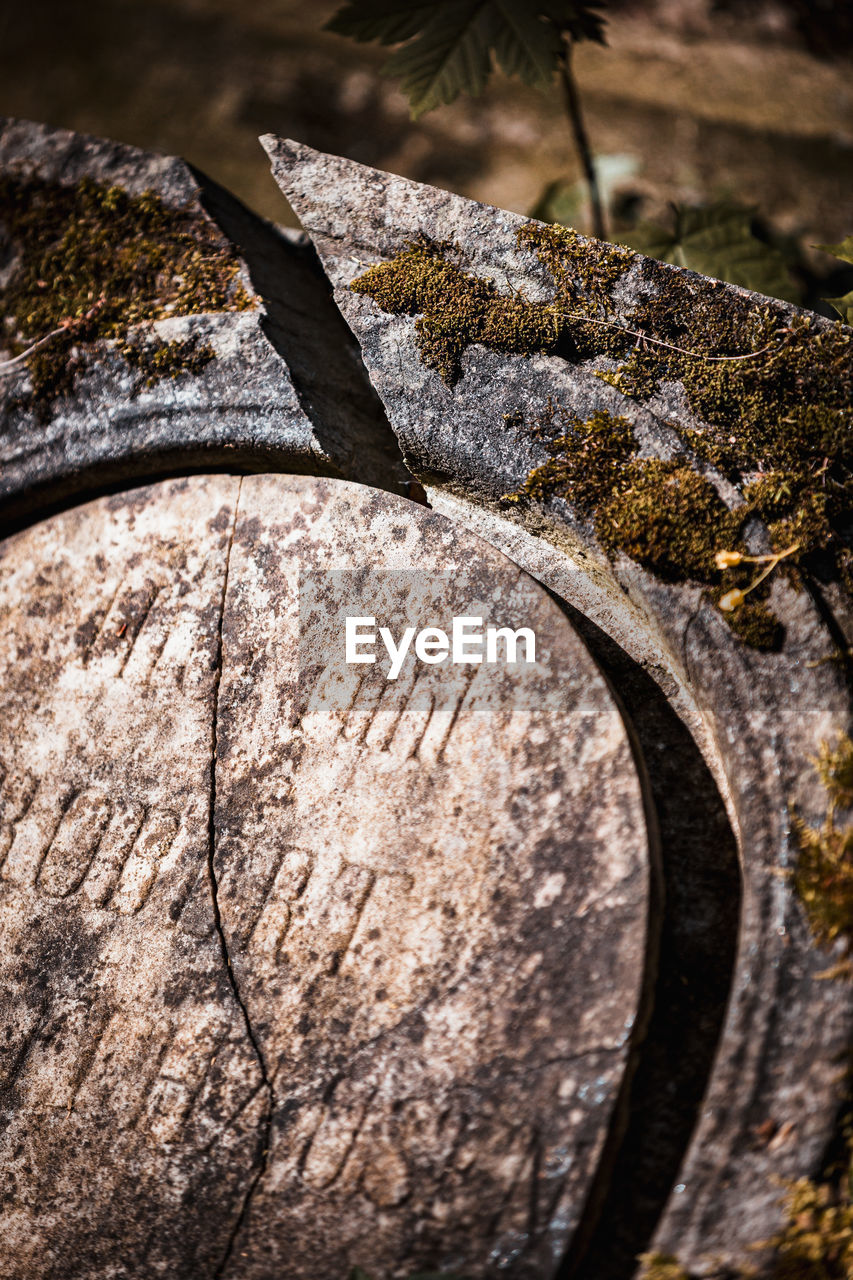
(777, 425)
(155, 359)
(815, 1242)
(663, 514)
(834, 767)
(661, 1266)
(455, 308)
(824, 873)
(93, 261)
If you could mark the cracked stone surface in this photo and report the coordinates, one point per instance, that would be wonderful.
(759, 717)
(270, 399)
(365, 991)
(130, 1096)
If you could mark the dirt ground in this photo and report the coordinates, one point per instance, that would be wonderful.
(680, 106)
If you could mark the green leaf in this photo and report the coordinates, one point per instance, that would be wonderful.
(386, 21)
(717, 240)
(524, 45)
(447, 46)
(844, 305)
(564, 202)
(450, 56)
(843, 251)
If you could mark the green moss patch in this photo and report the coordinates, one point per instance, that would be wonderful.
(815, 1243)
(661, 1266)
(773, 396)
(92, 261)
(663, 514)
(456, 309)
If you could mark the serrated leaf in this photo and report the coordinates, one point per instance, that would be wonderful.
(450, 42)
(524, 45)
(844, 251)
(386, 21)
(450, 56)
(717, 241)
(844, 305)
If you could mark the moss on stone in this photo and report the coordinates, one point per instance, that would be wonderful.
(823, 877)
(92, 261)
(815, 1242)
(670, 519)
(585, 272)
(661, 1266)
(663, 514)
(834, 765)
(455, 308)
(156, 359)
(777, 424)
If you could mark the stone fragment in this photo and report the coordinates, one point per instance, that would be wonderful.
(263, 375)
(364, 993)
(758, 715)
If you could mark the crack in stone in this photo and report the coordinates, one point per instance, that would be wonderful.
(266, 1081)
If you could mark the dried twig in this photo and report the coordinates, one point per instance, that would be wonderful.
(7, 365)
(659, 342)
(71, 323)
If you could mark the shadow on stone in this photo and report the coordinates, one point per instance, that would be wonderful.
(698, 940)
(307, 330)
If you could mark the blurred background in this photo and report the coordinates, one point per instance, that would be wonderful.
(693, 101)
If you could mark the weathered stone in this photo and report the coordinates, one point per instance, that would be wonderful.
(366, 991)
(759, 716)
(131, 1096)
(281, 389)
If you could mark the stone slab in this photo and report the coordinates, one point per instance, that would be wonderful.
(285, 388)
(366, 991)
(759, 716)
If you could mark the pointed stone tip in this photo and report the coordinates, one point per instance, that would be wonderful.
(314, 182)
(282, 151)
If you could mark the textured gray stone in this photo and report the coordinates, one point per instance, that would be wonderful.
(366, 991)
(130, 1094)
(758, 717)
(286, 390)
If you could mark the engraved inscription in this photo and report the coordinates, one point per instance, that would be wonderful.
(295, 967)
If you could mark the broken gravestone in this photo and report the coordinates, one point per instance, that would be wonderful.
(304, 966)
(152, 323)
(614, 426)
(670, 455)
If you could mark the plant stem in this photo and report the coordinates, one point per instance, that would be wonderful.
(574, 111)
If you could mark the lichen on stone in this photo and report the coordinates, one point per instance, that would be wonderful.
(91, 261)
